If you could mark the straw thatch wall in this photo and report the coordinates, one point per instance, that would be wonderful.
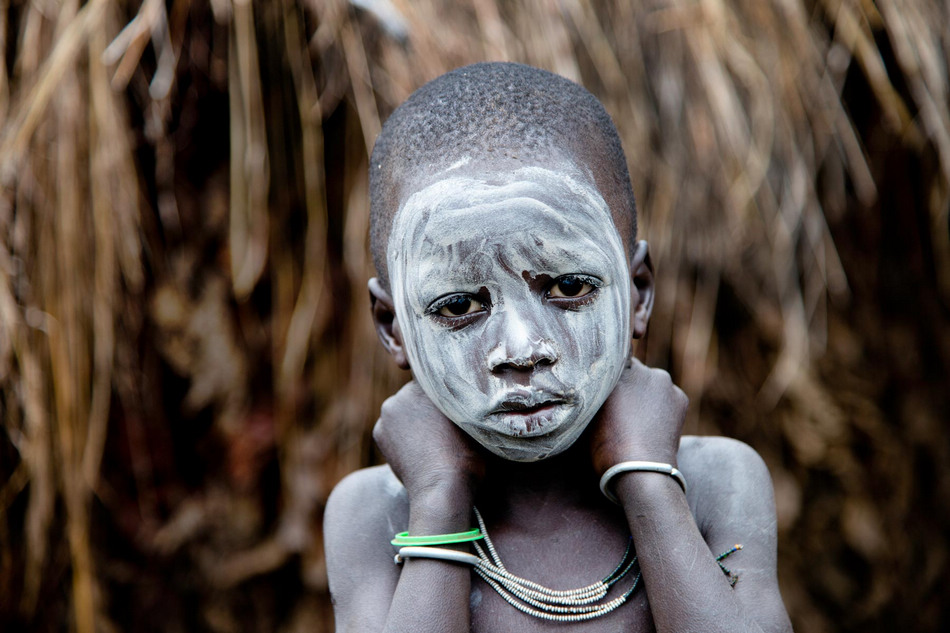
(187, 365)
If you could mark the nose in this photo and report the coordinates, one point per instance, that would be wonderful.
(520, 347)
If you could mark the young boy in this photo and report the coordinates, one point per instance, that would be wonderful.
(511, 284)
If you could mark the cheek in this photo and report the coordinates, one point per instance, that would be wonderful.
(449, 361)
(593, 344)
(582, 342)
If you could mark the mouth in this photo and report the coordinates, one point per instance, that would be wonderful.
(528, 401)
(520, 408)
(528, 414)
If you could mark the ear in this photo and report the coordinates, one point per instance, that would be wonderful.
(387, 325)
(641, 289)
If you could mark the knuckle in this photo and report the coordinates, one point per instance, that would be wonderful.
(388, 407)
(410, 390)
(681, 398)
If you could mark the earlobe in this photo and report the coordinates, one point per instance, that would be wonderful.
(641, 289)
(387, 324)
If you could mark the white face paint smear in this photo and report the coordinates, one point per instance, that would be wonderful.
(532, 361)
(462, 162)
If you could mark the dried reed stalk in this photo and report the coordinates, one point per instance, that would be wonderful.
(249, 164)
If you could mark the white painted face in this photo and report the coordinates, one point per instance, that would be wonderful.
(513, 297)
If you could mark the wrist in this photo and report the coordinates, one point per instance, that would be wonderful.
(644, 486)
(652, 456)
(620, 471)
(441, 509)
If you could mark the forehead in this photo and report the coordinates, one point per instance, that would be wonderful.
(518, 238)
(498, 207)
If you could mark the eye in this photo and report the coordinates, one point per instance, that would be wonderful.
(572, 287)
(459, 306)
(454, 306)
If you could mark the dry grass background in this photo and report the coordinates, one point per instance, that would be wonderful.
(187, 365)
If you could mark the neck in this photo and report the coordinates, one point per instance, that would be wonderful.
(566, 479)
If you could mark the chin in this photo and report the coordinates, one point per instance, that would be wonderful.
(526, 450)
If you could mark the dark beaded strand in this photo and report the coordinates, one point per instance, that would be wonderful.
(733, 578)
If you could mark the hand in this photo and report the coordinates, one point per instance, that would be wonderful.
(642, 419)
(426, 451)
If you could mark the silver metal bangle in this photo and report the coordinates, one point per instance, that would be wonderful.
(650, 467)
(436, 553)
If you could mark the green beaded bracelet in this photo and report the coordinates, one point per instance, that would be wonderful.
(403, 538)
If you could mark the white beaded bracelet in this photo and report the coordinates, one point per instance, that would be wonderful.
(651, 467)
(437, 553)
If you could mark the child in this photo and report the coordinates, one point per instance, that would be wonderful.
(511, 283)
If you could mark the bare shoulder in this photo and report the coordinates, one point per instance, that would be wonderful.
(365, 505)
(729, 483)
(722, 464)
(363, 512)
(370, 494)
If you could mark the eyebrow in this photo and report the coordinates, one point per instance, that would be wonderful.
(432, 280)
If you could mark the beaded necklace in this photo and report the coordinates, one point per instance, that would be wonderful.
(559, 605)
(570, 605)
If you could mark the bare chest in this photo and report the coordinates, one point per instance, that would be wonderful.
(560, 554)
(491, 613)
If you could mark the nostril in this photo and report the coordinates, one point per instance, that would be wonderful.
(524, 354)
(513, 365)
(523, 364)
(501, 368)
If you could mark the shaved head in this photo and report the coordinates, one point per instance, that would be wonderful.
(494, 117)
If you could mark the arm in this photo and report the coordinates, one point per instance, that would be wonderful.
(438, 467)
(433, 595)
(687, 589)
(730, 493)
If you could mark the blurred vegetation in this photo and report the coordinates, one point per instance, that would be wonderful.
(187, 363)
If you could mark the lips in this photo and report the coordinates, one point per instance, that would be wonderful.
(527, 402)
(529, 414)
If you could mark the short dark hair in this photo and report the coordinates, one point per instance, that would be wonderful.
(499, 109)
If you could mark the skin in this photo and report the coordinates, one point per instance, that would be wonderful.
(539, 497)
